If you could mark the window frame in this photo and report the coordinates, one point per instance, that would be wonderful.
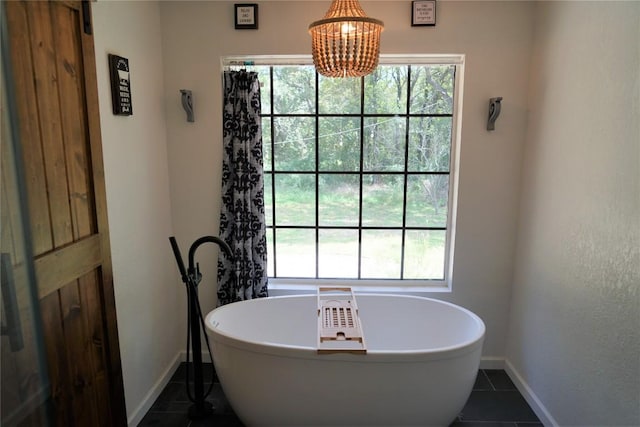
(283, 286)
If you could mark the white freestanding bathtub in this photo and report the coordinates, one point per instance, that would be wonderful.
(422, 359)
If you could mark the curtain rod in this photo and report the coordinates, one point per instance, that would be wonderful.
(255, 60)
(391, 59)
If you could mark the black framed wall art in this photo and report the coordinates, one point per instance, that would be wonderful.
(246, 16)
(423, 13)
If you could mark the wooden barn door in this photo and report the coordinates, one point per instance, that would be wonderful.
(53, 65)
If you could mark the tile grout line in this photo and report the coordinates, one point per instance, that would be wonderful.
(493, 387)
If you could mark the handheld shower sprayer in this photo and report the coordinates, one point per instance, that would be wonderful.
(178, 255)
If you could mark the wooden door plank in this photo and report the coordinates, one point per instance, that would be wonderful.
(90, 297)
(29, 131)
(38, 418)
(58, 268)
(8, 217)
(83, 398)
(10, 376)
(69, 69)
(46, 77)
(90, 379)
(57, 358)
(21, 361)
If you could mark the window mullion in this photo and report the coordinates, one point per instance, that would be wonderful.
(361, 177)
(317, 175)
(273, 175)
(405, 175)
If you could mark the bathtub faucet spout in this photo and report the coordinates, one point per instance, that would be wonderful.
(194, 270)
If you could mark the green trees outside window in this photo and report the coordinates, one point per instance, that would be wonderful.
(358, 171)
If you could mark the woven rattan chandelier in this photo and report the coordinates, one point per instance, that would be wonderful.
(346, 42)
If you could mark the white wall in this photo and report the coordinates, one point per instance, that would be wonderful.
(575, 316)
(149, 299)
(496, 38)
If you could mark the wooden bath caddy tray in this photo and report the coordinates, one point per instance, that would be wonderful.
(339, 328)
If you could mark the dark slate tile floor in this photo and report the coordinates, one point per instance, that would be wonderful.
(171, 407)
(494, 402)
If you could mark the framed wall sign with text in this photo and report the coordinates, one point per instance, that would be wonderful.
(120, 85)
(423, 12)
(246, 16)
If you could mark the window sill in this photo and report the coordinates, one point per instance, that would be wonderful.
(282, 287)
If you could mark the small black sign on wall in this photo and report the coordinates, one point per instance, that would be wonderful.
(120, 85)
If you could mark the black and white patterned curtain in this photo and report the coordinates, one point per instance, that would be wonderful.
(242, 223)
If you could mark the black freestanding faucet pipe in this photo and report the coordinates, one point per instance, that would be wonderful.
(200, 407)
(191, 277)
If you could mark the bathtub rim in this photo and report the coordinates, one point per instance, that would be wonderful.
(372, 356)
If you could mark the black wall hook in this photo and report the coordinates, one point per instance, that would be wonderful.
(494, 112)
(187, 104)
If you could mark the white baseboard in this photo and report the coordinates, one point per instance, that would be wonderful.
(138, 414)
(531, 398)
(491, 362)
(206, 358)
